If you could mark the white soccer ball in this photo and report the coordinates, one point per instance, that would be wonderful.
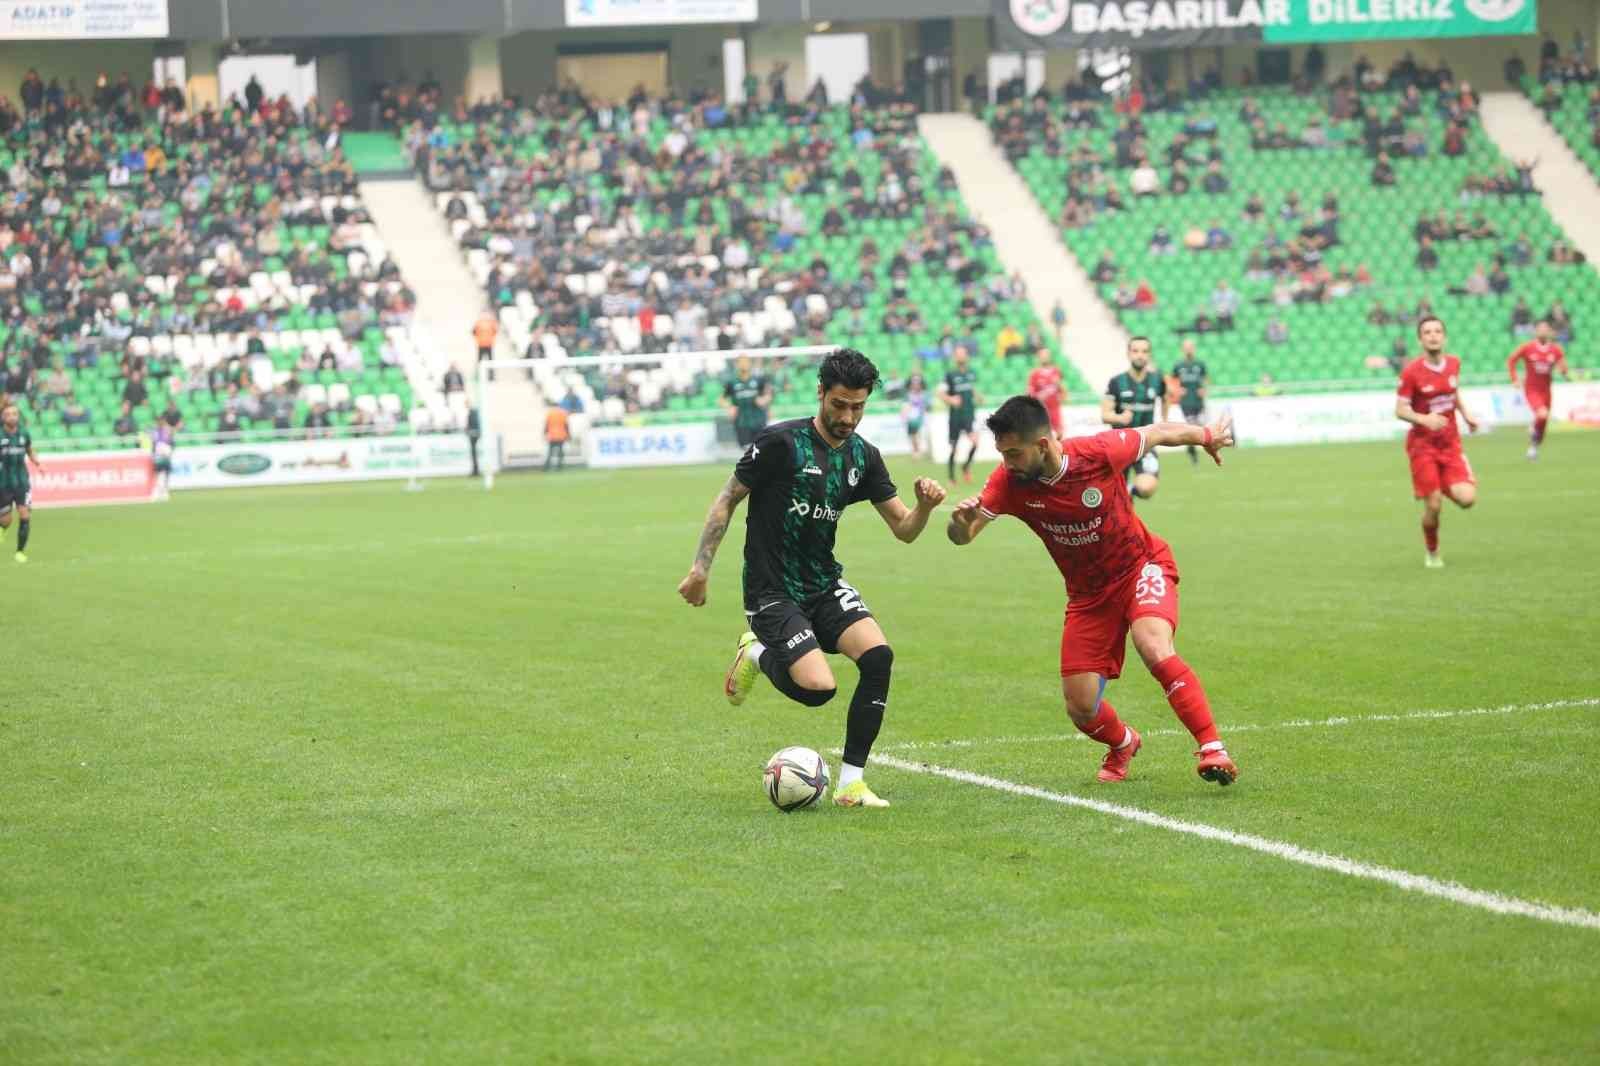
(795, 778)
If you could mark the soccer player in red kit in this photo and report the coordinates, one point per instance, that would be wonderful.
(1543, 356)
(1429, 399)
(1121, 578)
(1044, 385)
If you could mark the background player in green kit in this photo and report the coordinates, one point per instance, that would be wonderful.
(800, 475)
(1130, 400)
(1191, 374)
(959, 391)
(748, 396)
(16, 451)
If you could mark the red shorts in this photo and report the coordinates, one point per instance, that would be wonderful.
(1434, 471)
(1094, 639)
(1537, 398)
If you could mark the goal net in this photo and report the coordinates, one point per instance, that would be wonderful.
(635, 410)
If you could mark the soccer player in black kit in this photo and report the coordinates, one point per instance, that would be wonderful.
(800, 475)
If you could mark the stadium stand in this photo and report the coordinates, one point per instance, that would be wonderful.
(213, 267)
(1569, 95)
(664, 226)
(1299, 233)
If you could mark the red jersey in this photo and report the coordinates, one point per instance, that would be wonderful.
(1431, 389)
(1542, 360)
(1044, 385)
(1084, 514)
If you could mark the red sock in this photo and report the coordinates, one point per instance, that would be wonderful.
(1188, 699)
(1105, 727)
(1430, 537)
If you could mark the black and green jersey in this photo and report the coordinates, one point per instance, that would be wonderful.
(799, 488)
(1138, 395)
(14, 460)
(1191, 374)
(962, 383)
(743, 393)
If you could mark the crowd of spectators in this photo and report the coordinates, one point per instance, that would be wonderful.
(132, 223)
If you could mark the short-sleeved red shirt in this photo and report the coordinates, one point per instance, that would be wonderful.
(1084, 514)
(1431, 389)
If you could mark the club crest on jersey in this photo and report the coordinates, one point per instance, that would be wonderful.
(1091, 497)
(854, 477)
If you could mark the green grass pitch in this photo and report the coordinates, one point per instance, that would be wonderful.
(341, 775)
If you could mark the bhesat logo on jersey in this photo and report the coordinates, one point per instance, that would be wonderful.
(854, 477)
(1496, 10)
(818, 513)
(1092, 497)
(1040, 17)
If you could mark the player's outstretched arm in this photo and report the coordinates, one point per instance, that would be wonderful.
(693, 587)
(907, 523)
(967, 522)
(1213, 438)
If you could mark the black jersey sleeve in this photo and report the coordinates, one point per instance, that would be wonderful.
(764, 461)
(876, 484)
(1111, 389)
(1161, 384)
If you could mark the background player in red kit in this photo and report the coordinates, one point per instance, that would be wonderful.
(1120, 577)
(1429, 400)
(1543, 356)
(1044, 385)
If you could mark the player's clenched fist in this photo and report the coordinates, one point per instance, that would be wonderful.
(929, 492)
(693, 589)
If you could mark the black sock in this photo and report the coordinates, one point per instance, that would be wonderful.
(867, 705)
(966, 464)
(1194, 456)
(952, 463)
(22, 534)
(777, 672)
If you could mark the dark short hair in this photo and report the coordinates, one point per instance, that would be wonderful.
(1021, 415)
(1425, 319)
(849, 368)
(1140, 337)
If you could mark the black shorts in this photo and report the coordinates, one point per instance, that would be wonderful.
(1149, 464)
(746, 435)
(960, 428)
(791, 629)
(8, 499)
(1197, 417)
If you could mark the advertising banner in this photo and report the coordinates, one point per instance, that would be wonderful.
(694, 442)
(221, 466)
(657, 12)
(82, 20)
(1034, 24)
(79, 478)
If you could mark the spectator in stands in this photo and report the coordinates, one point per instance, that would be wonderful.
(1009, 342)
(228, 420)
(1215, 182)
(1522, 318)
(1224, 302)
(1179, 184)
(1277, 331)
(1144, 181)
(1477, 283)
(1499, 280)
(1144, 296)
(318, 423)
(1254, 209)
(1427, 257)
(1383, 171)
(1560, 321)
(1161, 242)
(1106, 269)
(1563, 254)
(125, 426)
(1217, 237)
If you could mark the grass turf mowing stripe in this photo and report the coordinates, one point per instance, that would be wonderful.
(1410, 882)
(1246, 727)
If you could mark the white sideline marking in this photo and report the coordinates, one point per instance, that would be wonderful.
(1299, 723)
(1410, 882)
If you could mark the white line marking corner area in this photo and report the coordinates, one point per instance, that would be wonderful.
(1410, 882)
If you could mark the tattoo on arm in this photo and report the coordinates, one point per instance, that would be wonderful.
(717, 520)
